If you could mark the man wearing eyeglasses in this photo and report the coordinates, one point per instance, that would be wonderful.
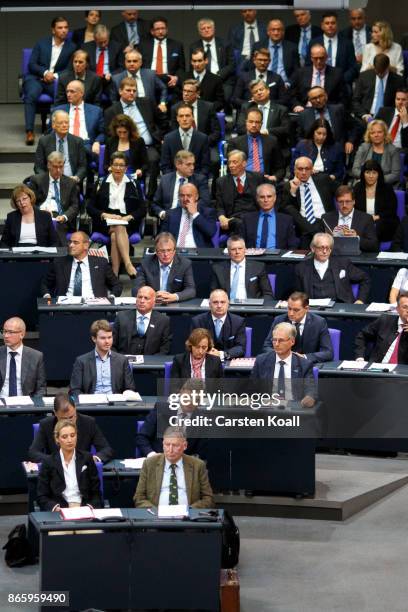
(21, 367)
(324, 276)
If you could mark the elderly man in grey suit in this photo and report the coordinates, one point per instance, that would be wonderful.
(21, 367)
(148, 83)
(101, 370)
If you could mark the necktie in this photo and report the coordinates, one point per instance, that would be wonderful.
(12, 374)
(61, 146)
(159, 59)
(57, 198)
(394, 354)
(304, 43)
(264, 233)
(181, 182)
(281, 379)
(264, 110)
(185, 140)
(134, 39)
(298, 343)
(261, 76)
(251, 39)
(330, 53)
(184, 230)
(234, 284)
(100, 64)
(309, 213)
(209, 56)
(256, 162)
(76, 129)
(318, 78)
(240, 187)
(164, 277)
(218, 326)
(345, 221)
(380, 96)
(78, 280)
(173, 490)
(395, 128)
(358, 47)
(141, 328)
(275, 58)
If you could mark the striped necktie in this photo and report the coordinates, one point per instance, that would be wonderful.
(309, 213)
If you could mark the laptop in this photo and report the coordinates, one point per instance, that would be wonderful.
(346, 245)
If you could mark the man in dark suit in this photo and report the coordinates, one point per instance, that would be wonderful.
(143, 331)
(105, 55)
(306, 198)
(164, 55)
(211, 89)
(88, 431)
(101, 370)
(284, 54)
(375, 88)
(266, 228)
(276, 86)
(312, 338)
(43, 69)
(79, 72)
(262, 151)
(340, 51)
(72, 147)
(301, 33)
(187, 138)
(243, 36)
(155, 482)
(148, 83)
(169, 274)
(80, 274)
(192, 225)
(22, 369)
(318, 74)
(351, 222)
(58, 194)
(235, 193)
(227, 330)
(386, 338)
(239, 277)
(205, 118)
(167, 193)
(396, 118)
(358, 33)
(293, 380)
(323, 276)
(131, 31)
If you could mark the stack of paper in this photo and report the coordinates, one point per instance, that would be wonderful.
(34, 249)
(379, 307)
(134, 464)
(96, 301)
(18, 400)
(104, 398)
(48, 401)
(205, 303)
(352, 365)
(390, 255)
(320, 302)
(125, 301)
(80, 513)
(68, 300)
(243, 362)
(383, 367)
(110, 222)
(293, 255)
(177, 511)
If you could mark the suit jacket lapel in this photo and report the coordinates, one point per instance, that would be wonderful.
(92, 273)
(188, 476)
(3, 365)
(228, 277)
(58, 465)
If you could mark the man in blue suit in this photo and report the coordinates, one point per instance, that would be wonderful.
(192, 225)
(284, 372)
(313, 341)
(245, 34)
(49, 57)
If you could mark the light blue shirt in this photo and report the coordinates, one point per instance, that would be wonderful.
(181, 484)
(308, 31)
(103, 374)
(281, 67)
(105, 59)
(250, 163)
(271, 240)
(133, 112)
(67, 166)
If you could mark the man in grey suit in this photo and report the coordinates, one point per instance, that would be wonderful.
(101, 370)
(21, 367)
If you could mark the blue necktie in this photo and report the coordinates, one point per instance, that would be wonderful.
(234, 284)
(164, 277)
(309, 214)
(318, 79)
(61, 146)
(281, 379)
(330, 53)
(264, 233)
(218, 326)
(12, 375)
(78, 280)
(380, 96)
(141, 328)
(304, 44)
(181, 183)
(275, 58)
(57, 198)
(134, 38)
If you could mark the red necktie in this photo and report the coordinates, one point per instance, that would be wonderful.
(76, 128)
(395, 128)
(159, 59)
(256, 162)
(240, 187)
(394, 355)
(99, 65)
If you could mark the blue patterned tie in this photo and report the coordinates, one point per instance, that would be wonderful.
(380, 96)
(164, 277)
(264, 232)
(12, 375)
(309, 214)
(358, 46)
(141, 328)
(330, 53)
(181, 183)
(234, 284)
(78, 280)
(218, 326)
(304, 43)
(275, 58)
(318, 79)
(57, 198)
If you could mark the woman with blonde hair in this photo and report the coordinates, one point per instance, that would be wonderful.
(377, 146)
(382, 41)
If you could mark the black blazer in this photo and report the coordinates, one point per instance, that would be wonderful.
(163, 198)
(381, 333)
(181, 368)
(400, 240)
(211, 88)
(84, 377)
(285, 230)
(176, 62)
(56, 281)
(155, 121)
(345, 57)
(242, 93)
(207, 121)
(278, 123)
(225, 58)
(256, 281)
(44, 229)
(198, 145)
(343, 125)
(180, 281)
(363, 224)
(120, 35)
(204, 226)
(340, 266)
(137, 154)
(302, 82)
(272, 157)
(157, 337)
(232, 338)
(293, 31)
(92, 84)
(76, 153)
(51, 481)
(69, 195)
(386, 113)
(364, 91)
(89, 435)
(225, 190)
(290, 56)
(116, 59)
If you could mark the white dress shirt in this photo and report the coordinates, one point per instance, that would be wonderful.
(288, 376)
(181, 484)
(318, 165)
(214, 60)
(164, 54)
(117, 193)
(17, 358)
(397, 140)
(318, 208)
(346, 220)
(50, 203)
(71, 492)
(387, 356)
(321, 267)
(401, 280)
(83, 132)
(27, 234)
(246, 50)
(87, 291)
(55, 53)
(241, 290)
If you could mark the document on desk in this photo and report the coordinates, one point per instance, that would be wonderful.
(69, 300)
(126, 396)
(104, 513)
(391, 255)
(133, 464)
(93, 398)
(125, 301)
(243, 362)
(97, 301)
(77, 514)
(178, 511)
(48, 401)
(382, 367)
(379, 307)
(18, 400)
(135, 358)
(327, 302)
(34, 249)
(205, 303)
(294, 255)
(352, 365)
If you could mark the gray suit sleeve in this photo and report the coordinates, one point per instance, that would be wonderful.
(41, 379)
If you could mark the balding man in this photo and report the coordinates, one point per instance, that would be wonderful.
(21, 367)
(71, 147)
(148, 83)
(192, 225)
(80, 274)
(105, 55)
(358, 32)
(144, 331)
(284, 54)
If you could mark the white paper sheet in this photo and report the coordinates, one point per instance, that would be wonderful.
(389, 367)
(352, 365)
(93, 398)
(172, 512)
(19, 400)
(379, 307)
(134, 464)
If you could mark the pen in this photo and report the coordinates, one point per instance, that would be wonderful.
(150, 511)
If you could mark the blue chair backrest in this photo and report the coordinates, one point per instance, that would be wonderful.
(355, 287)
(25, 60)
(101, 159)
(221, 121)
(400, 203)
(36, 427)
(167, 372)
(272, 282)
(216, 238)
(385, 246)
(248, 336)
(335, 336)
(402, 168)
(99, 468)
(139, 425)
